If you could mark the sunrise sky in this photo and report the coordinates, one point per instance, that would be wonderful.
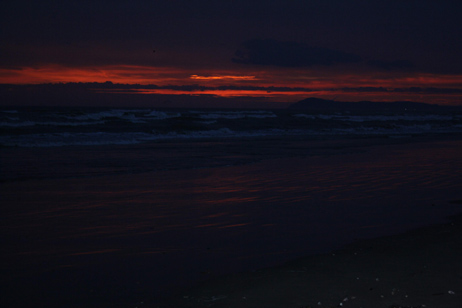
(263, 49)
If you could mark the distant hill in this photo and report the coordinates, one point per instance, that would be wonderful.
(318, 104)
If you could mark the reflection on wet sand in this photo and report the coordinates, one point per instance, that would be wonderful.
(224, 219)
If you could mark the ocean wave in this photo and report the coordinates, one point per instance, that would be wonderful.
(114, 113)
(62, 127)
(161, 115)
(110, 138)
(106, 138)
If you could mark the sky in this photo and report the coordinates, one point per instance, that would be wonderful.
(265, 50)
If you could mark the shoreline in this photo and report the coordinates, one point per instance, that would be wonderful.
(418, 268)
(52, 162)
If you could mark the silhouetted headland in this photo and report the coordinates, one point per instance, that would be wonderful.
(319, 104)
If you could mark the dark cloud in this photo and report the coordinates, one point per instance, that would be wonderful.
(392, 65)
(289, 54)
(116, 32)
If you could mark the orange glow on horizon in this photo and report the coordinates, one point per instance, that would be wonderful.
(132, 74)
(299, 83)
(223, 77)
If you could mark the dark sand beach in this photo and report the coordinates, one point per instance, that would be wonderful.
(419, 268)
(219, 223)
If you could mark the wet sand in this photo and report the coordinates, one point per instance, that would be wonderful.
(420, 268)
(126, 226)
(415, 269)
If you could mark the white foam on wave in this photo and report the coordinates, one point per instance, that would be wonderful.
(160, 115)
(125, 138)
(207, 122)
(17, 124)
(132, 115)
(222, 132)
(113, 113)
(48, 123)
(96, 116)
(305, 116)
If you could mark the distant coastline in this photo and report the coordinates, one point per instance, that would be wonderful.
(318, 104)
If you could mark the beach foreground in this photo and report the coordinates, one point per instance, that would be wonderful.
(420, 268)
(209, 223)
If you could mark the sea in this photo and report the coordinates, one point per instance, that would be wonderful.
(124, 207)
(55, 127)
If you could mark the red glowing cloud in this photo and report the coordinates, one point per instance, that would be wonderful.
(222, 77)
(285, 85)
(127, 74)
